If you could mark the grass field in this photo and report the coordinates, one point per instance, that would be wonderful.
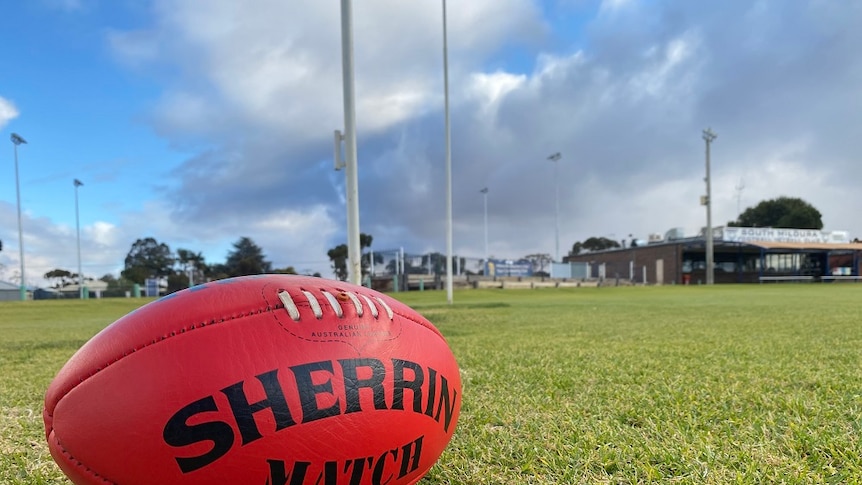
(730, 384)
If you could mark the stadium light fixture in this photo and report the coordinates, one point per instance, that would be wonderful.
(709, 137)
(77, 184)
(555, 158)
(449, 229)
(17, 140)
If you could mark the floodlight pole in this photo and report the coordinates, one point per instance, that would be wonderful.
(485, 197)
(555, 158)
(77, 184)
(352, 183)
(17, 140)
(709, 137)
(449, 228)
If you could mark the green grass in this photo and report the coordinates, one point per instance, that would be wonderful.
(730, 384)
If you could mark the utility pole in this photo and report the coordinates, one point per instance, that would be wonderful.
(556, 158)
(739, 188)
(709, 137)
(77, 183)
(485, 197)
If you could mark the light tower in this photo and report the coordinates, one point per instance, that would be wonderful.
(556, 158)
(485, 197)
(17, 140)
(709, 137)
(77, 184)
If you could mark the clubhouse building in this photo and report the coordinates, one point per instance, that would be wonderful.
(741, 255)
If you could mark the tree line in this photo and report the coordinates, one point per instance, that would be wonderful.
(149, 258)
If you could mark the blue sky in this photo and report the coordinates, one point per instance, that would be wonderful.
(199, 122)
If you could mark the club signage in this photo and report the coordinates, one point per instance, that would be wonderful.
(770, 234)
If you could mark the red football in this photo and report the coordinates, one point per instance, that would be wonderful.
(270, 379)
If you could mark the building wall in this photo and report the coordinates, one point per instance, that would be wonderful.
(618, 262)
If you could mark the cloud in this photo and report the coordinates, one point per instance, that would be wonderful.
(8, 111)
(253, 95)
(265, 95)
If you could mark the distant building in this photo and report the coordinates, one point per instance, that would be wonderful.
(741, 255)
(46, 294)
(9, 291)
(94, 289)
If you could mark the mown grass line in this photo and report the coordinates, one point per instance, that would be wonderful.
(729, 384)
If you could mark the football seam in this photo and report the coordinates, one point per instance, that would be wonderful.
(163, 338)
(78, 464)
(425, 324)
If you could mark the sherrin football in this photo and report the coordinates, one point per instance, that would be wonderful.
(269, 380)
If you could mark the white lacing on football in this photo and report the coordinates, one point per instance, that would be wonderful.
(289, 305)
(293, 309)
(333, 303)
(370, 305)
(385, 306)
(356, 303)
(315, 305)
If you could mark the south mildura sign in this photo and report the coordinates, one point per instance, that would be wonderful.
(775, 235)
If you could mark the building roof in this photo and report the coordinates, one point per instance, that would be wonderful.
(6, 286)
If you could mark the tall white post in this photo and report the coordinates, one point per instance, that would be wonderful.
(77, 184)
(556, 158)
(17, 140)
(449, 229)
(485, 197)
(709, 136)
(354, 266)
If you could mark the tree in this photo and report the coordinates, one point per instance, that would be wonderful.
(191, 264)
(782, 212)
(594, 244)
(109, 279)
(147, 258)
(539, 261)
(217, 271)
(62, 276)
(338, 255)
(246, 259)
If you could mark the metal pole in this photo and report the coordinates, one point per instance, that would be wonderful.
(77, 184)
(354, 267)
(485, 197)
(557, 213)
(17, 140)
(555, 158)
(449, 229)
(709, 136)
